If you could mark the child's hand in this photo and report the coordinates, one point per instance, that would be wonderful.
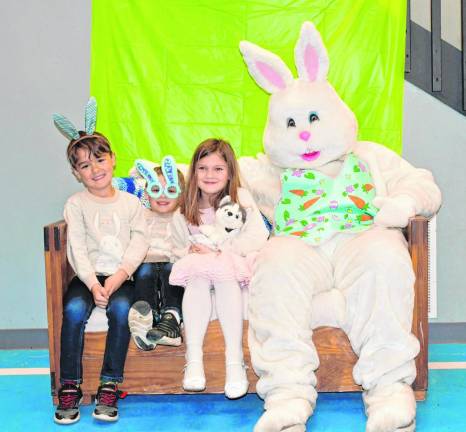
(113, 282)
(100, 295)
(200, 248)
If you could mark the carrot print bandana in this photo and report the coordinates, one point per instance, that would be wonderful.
(315, 207)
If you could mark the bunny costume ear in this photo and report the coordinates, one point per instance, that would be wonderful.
(311, 56)
(172, 189)
(146, 169)
(90, 116)
(267, 69)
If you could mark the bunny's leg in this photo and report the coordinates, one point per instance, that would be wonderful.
(287, 274)
(374, 272)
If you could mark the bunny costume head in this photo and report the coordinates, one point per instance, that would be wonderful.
(308, 124)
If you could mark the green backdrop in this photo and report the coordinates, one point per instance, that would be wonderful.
(168, 74)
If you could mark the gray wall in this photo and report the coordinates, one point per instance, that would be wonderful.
(434, 137)
(45, 68)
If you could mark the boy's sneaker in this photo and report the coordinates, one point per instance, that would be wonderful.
(69, 398)
(140, 321)
(106, 402)
(166, 332)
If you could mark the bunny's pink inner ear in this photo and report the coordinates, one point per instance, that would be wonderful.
(270, 75)
(311, 62)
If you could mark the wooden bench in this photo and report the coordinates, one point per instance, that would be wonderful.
(161, 371)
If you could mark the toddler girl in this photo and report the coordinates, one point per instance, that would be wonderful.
(154, 296)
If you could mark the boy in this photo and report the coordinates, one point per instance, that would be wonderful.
(106, 243)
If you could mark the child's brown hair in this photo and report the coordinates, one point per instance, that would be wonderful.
(96, 144)
(190, 204)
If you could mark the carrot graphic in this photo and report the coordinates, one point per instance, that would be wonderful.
(360, 203)
(299, 192)
(299, 233)
(365, 218)
(308, 203)
(367, 187)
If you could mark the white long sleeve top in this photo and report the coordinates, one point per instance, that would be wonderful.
(104, 234)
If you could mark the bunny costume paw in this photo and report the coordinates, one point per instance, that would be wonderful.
(288, 416)
(390, 408)
(394, 212)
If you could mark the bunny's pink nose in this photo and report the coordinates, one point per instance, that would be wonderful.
(305, 135)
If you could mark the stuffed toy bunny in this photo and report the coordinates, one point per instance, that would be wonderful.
(337, 256)
(229, 218)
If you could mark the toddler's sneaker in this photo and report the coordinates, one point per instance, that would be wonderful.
(140, 321)
(166, 332)
(69, 398)
(106, 402)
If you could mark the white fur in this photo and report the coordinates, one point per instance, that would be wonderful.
(228, 223)
(361, 283)
(390, 408)
(289, 415)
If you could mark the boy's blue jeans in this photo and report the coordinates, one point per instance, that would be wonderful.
(78, 304)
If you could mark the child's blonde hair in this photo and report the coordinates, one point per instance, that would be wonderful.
(190, 203)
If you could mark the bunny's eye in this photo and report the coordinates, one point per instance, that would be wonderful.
(290, 123)
(313, 117)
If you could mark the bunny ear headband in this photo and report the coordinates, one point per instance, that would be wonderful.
(69, 130)
(154, 188)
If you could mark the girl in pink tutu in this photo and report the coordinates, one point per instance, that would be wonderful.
(213, 174)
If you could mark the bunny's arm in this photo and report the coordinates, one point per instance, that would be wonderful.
(76, 246)
(179, 236)
(138, 245)
(262, 179)
(397, 179)
(253, 234)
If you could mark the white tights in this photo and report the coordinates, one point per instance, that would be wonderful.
(197, 309)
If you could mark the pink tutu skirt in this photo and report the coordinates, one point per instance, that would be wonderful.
(225, 266)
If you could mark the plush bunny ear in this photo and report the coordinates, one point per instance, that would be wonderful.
(311, 55)
(224, 201)
(267, 69)
(90, 116)
(65, 126)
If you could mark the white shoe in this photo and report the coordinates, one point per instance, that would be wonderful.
(194, 377)
(236, 382)
(140, 320)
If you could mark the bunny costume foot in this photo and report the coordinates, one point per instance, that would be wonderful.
(390, 408)
(289, 415)
(337, 256)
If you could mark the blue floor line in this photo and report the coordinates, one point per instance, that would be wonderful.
(24, 359)
(447, 352)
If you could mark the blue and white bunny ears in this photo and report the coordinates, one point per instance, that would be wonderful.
(69, 130)
(153, 187)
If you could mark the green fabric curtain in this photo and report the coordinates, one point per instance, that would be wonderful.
(168, 74)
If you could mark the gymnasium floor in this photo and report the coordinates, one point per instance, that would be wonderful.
(25, 402)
